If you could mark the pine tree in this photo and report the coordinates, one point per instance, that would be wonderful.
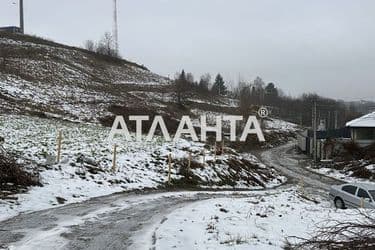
(181, 86)
(219, 85)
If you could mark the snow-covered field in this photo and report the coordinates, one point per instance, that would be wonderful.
(263, 221)
(85, 169)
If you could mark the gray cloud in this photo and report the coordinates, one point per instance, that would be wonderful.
(317, 46)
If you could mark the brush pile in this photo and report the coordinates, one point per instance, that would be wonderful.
(13, 177)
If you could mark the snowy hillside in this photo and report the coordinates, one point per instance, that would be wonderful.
(42, 78)
(39, 76)
(86, 167)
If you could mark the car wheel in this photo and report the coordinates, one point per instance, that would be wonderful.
(339, 203)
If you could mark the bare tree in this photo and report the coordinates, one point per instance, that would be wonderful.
(90, 45)
(106, 46)
(204, 83)
(190, 78)
(245, 99)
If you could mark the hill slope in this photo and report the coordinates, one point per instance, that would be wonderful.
(47, 79)
(40, 76)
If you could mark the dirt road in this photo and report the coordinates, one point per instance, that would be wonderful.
(294, 166)
(127, 221)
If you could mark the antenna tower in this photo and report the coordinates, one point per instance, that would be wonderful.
(115, 26)
(22, 27)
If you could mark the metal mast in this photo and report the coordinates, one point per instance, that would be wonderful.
(22, 27)
(115, 26)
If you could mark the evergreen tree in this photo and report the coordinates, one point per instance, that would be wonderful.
(181, 86)
(219, 85)
(271, 93)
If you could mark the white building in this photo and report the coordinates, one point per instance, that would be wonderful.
(363, 130)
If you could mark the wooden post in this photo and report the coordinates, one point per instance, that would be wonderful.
(169, 168)
(114, 158)
(302, 186)
(315, 128)
(189, 164)
(59, 143)
(362, 205)
(204, 156)
(215, 150)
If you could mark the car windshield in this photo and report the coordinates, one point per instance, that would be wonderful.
(372, 192)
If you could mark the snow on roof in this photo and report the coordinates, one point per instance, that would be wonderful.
(365, 121)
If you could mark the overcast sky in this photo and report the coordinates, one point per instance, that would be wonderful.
(323, 46)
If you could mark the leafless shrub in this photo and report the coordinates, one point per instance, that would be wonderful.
(90, 45)
(105, 46)
(358, 234)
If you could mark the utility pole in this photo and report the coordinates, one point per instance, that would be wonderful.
(115, 26)
(314, 131)
(336, 119)
(22, 27)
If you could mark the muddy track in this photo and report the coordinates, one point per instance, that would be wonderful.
(293, 166)
(116, 221)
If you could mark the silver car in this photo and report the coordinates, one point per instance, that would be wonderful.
(353, 195)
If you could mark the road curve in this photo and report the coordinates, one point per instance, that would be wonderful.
(112, 222)
(294, 166)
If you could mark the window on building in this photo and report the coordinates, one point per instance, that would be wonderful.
(365, 133)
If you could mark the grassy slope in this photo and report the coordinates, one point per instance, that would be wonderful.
(44, 78)
(40, 76)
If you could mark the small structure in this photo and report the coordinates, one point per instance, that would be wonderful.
(11, 29)
(14, 29)
(327, 141)
(362, 130)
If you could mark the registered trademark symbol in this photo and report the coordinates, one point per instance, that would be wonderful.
(263, 112)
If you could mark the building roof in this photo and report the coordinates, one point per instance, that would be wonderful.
(366, 121)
